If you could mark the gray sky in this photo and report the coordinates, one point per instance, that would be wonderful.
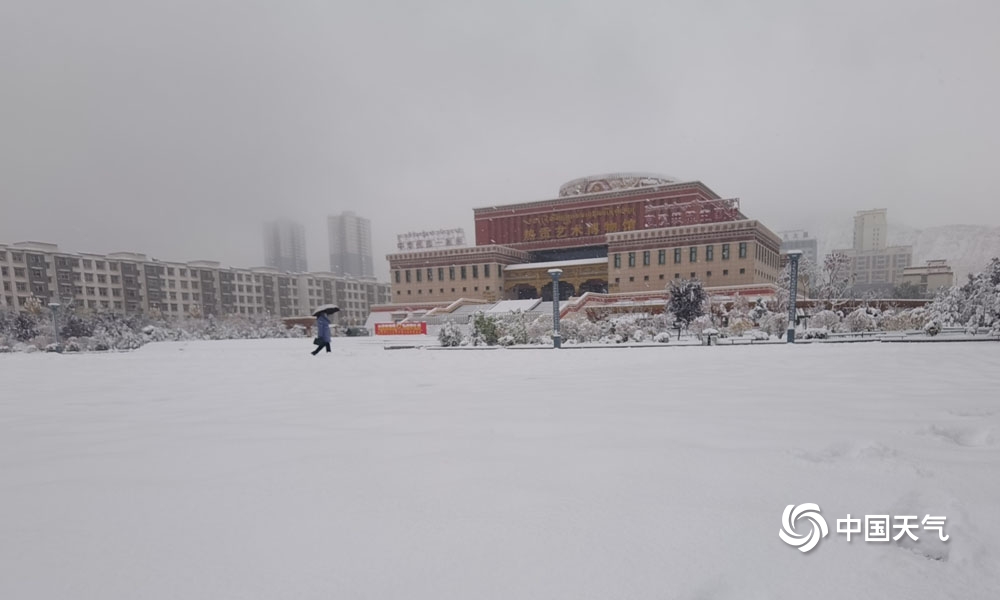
(177, 128)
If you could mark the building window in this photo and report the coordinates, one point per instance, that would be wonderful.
(692, 275)
(743, 271)
(708, 273)
(486, 272)
(631, 259)
(709, 252)
(618, 261)
(725, 252)
(662, 257)
(631, 279)
(407, 276)
(440, 274)
(451, 275)
(397, 276)
(725, 271)
(645, 277)
(645, 258)
(743, 249)
(693, 254)
(463, 273)
(677, 256)
(420, 275)
(677, 275)
(475, 271)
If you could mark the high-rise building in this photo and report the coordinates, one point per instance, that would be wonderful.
(350, 245)
(875, 266)
(799, 240)
(285, 246)
(870, 230)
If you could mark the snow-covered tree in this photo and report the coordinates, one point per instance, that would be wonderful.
(808, 273)
(687, 299)
(25, 327)
(835, 279)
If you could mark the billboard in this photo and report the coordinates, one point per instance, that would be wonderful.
(440, 238)
(415, 328)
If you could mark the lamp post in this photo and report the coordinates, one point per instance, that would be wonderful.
(556, 339)
(54, 306)
(793, 288)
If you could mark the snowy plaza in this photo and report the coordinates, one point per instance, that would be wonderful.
(249, 469)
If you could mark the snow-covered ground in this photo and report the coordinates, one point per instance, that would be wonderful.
(249, 469)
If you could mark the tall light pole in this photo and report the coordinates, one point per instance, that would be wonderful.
(556, 339)
(793, 288)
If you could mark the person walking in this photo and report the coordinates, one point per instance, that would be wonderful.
(322, 330)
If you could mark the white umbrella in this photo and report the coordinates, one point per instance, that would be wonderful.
(326, 308)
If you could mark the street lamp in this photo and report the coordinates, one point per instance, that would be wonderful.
(793, 287)
(54, 306)
(556, 339)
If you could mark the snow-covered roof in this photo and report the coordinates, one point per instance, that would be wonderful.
(558, 264)
(506, 306)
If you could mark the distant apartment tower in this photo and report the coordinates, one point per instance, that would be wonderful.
(875, 266)
(870, 230)
(285, 246)
(350, 245)
(799, 240)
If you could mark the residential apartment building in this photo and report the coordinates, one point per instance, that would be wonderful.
(136, 284)
(285, 246)
(350, 239)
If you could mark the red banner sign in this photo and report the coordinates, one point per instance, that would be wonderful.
(416, 328)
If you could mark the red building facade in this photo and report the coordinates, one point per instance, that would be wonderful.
(586, 219)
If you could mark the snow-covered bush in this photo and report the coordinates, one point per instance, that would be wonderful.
(53, 347)
(506, 340)
(513, 325)
(817, 333)
(739, 325)
(775, 324)
(825, 319)
(450, 335)
(484, 329)
(757, 335)
(73, 345)
(700, 324)
(662, 338)
(933, 327)
(5, 349)
(861, 319)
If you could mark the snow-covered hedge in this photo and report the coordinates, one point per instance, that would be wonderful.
(105, 331)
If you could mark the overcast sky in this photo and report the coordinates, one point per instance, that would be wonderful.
(177, 127)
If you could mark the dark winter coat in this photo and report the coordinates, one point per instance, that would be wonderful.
(323, 328)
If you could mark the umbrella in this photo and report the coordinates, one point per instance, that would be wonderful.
(326, 308)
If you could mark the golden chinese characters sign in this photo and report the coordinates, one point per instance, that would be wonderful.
(578, 223)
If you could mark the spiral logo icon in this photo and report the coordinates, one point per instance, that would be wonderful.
(817, 530)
